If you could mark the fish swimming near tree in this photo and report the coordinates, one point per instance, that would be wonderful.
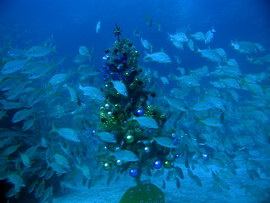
(39, 51)
(120, 87)
(13, 66)
(66, 133)
(247, 47)
(159, 57)
(98, 26)
(178, 39)
(146, 44)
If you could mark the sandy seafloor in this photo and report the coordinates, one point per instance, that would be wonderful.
(188, 192)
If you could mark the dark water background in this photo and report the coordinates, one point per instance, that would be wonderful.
(72, 23)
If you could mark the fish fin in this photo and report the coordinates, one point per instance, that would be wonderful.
(80, 87)
(53, 130)
(53, 49)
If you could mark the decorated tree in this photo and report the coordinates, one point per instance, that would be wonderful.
(131, 128)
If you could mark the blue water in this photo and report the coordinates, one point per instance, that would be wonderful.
(71, 24)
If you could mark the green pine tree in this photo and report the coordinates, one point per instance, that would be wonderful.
(131, 128)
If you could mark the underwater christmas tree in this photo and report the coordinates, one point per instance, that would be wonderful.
(131, 128)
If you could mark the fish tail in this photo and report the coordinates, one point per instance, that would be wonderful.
(53, 49)
(53, 129)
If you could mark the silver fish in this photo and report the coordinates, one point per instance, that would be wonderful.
(159, 57)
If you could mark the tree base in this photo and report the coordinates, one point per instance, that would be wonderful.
(143, 193)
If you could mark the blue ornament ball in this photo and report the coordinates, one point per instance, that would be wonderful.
(157, 164)
(177, 156)
(133, 172)
(139, 112)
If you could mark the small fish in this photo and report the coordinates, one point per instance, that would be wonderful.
(146, 44)
(209, 103)
(40, 189)
(92, 92)
(58, 169)
(177, 183)
(169, 175)
(219, 182)
(2, 114)
(159, 57)
(178, 39)
(9, 83)
(163, 184)
(165, 142)
(61, 160)
(13, 66)
(10, 150)
(200, 72)
(189, 81)
(175, 104)
(226, 83)
(17, 182)
(187, 160)
(25, 159)
(198, 36)
(214, 55)
(80, 59)
(66, 133)
(120, 87)
(85, 171)
(202, 106)
(216, 102)
(5, 142)
(38, 51)
(149, 21)
(107, 137)
(57, 79)
(191, 45)
(230, 70)
(125, 156)
(260, 60)
(212, 122)
(72, 93)
(246, 47)
(98, 26)
(146, 122)
(32, 186)
(164, 80)
(209, 36)
(179, 172)
(15, 53)
(136, 33)
(36, 70)
(21, 115)
(253, 174)
(84, 51)
(47, 195)
(42, 173)
(195, 178)
(49, 175)
(110, 178)
(14, 94)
